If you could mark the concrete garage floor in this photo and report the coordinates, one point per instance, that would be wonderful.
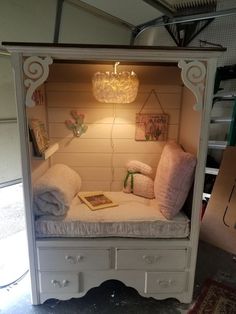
(11, 210)
(13, 247)
(111, 297)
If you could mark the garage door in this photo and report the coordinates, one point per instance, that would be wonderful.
(10, 164)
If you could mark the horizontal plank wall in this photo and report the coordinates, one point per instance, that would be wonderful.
(100, 155)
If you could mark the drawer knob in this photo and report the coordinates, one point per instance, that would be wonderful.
(70, 259)
(165, 283)
(80, 258)
(151, 259)
(65, 283)
(56, 283)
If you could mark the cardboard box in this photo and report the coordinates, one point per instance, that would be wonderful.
(219, 221)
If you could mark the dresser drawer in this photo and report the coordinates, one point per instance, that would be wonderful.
(165, 282)
(151, 259)
(51, 259)
(59, 282)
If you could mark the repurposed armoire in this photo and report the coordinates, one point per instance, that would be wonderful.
(64, 267)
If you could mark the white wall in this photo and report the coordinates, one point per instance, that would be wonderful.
(100, 155)
(27, 20)
(80, 26)
(34, 21)
(20, 21)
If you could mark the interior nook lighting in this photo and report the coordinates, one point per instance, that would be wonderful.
(115, 87)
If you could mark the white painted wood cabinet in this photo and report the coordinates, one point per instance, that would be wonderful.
(74, 267)
(161, 268)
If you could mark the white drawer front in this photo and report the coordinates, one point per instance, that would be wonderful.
(51, 259)
(151, 259)
(59, 282)
(165, 282)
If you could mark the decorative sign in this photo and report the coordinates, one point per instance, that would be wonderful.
(39, 136)
(151, 127)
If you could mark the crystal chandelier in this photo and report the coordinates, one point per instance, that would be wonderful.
(115, 87)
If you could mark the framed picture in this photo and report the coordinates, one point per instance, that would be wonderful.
(39, 136)
(96, 200)
(151, 127)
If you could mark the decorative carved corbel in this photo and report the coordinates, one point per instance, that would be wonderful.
(193, 75)
(36, 70)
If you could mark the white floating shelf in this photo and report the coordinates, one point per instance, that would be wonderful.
(50, 151)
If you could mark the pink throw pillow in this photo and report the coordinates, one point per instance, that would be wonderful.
(173, 179)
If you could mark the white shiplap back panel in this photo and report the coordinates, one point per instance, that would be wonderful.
(101, 154)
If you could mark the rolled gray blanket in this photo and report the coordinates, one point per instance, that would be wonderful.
(54, 190)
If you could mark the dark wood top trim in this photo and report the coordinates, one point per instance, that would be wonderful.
(57, 45)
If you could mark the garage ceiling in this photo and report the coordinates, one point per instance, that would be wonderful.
(134, 12)
(183, 19)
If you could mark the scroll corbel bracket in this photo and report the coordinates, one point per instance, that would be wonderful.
(193, 76)
(36, 70)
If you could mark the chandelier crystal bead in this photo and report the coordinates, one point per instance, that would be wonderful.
(115, 87)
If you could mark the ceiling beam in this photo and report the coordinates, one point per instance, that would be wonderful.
(190, 18)
(98, 12)
(58, 20)
(183, 19)
(162, 6)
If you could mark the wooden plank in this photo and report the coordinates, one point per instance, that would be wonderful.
(131, 146)
(39, 167)
(104, 131)
(78, 145)
(117, 185)
(102, 186)
(173, 132)
(129, 116)
(85, 99)
(120, 160)
(119, 174)
(94, 173)
(85, 87)
(106, 115)
(102, 160)
(91, 116)
(82, 159)
(95, 186)
(94, 131)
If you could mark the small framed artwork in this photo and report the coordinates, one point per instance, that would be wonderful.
(39, 136)
(151, 127)
(96, 200)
